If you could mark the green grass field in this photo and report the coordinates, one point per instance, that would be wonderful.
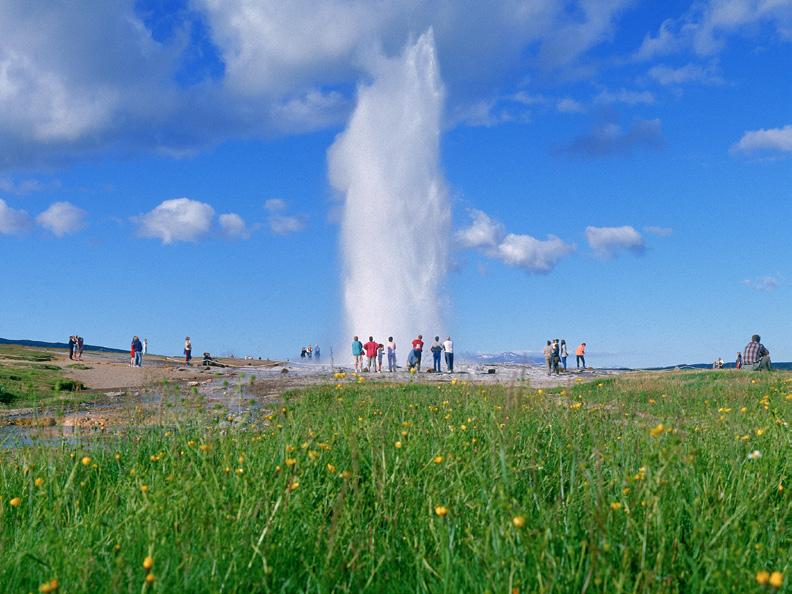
(648, 483)
(27, 377)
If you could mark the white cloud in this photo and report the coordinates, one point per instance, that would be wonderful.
(62, 218)
(706, 25)
(659, 231)
(12, 221)
(667, 76)
(569, 105)
(771, 140)
(531, 254)
(765, 284)
(178, 219)
(26, 186)
(275, 205)
(611, 139)
(285, 224)
(483, 232)
(608, 241)
(233, 226)
(521, 251)
(625, 96)
(278, 221)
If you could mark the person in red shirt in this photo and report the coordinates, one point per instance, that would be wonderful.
(417, 346)
(371, 353)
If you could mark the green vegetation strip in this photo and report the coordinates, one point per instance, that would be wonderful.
(665, 483)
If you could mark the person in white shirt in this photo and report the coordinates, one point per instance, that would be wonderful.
(391, 354)
(448, 347)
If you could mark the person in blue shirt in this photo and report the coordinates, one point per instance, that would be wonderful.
(357, 354)
(137, 348)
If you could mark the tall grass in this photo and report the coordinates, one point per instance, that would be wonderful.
(414, 488)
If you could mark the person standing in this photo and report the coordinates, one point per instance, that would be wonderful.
(564, 354)
(738, 362)
(437, 350)
(145, 346)
(418, 345)
(580, 355)
(548, 355)
(187, 351)
(371, 354)
(755, 356)
(72, 344)
(317, 353)
(391, 354)
(448, 347)
(137, 349)
(380, 353)
(555, 357)
(357, 354)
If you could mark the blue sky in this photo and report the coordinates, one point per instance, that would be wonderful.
(652, 139)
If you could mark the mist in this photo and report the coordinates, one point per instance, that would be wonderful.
(395, 225)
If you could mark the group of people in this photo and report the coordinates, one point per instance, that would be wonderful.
(311, 352)
(76, 345)
(138, 348)
(369, 356)
(556, 353)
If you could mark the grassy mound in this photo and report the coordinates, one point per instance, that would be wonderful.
(664, 483)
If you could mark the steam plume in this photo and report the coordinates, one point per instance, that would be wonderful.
(395, 226)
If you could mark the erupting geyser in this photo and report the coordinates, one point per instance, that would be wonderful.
(395, 228)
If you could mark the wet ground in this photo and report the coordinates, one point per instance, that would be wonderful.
(228, 397)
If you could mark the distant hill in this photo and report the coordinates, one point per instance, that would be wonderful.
(59, 345)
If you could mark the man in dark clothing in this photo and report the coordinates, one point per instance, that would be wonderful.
(756, 357)
(137, 348)
(72, 344)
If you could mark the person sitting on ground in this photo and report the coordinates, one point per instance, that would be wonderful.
(357, 354)
(414, 360)
(755, 356)
(418, 345)
(371, 354)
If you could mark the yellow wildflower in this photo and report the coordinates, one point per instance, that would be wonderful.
(16, 502)
(441, 510)
(776, 579)
(397, 445)
(150, 578)
(437, 459)
(657, 430)
(331, 469)
(148, 563)
(762, 577)
(518, 521)
(86, 460)
(38, 482)
(290, 462)
(615, 506)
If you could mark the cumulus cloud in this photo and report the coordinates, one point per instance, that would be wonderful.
(232, 226)
(483, 232)
(26, 186)
(521, 251)
(12, 221)
(534, 255)
(611, 139)
(764, 284)
(178, 219)
(609, 241)
(765, 141)
(706, 25)
(668, 76)
(278, 221)
(62, 218)
(267, 67)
